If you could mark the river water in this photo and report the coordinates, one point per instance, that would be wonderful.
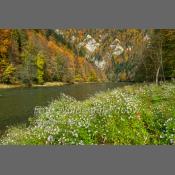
(17, 105)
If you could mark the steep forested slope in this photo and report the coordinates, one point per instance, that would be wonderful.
(30, 56)
(68, 55)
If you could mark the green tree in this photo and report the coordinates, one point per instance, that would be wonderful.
(159, 54)
(60, 67)
(40, 62)
(8, 74)
(28, 69)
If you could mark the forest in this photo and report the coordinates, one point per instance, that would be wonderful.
(36, 56)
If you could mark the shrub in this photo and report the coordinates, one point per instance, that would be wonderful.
(8, 74)
(92, 77)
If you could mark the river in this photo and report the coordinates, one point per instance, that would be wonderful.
(17, 105)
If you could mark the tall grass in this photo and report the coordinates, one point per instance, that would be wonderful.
(131, 115)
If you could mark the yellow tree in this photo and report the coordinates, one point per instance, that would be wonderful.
(5, 45)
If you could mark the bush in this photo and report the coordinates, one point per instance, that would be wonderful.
(78, 78)
(92, 77)
(8, 74)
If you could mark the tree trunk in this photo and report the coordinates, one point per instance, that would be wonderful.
(161, 60)
(157, 75)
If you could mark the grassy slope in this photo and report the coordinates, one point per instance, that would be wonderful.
(133, 115)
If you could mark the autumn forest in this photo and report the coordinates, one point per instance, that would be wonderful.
(36, 56)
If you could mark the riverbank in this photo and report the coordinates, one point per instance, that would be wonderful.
(46, 84)
(130, 115)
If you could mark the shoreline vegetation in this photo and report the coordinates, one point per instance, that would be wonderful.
(46, 84)
(58, 84)
(139, 114)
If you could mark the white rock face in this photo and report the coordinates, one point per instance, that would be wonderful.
(100, 64)
(118, 50)
(146, 37)
(81, 44)
(116, 47)
(88, 37)
(73, 38)
(92, 45)
(89, 43)
(59, 32)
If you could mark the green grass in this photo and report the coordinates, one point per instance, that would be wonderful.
(131, 115)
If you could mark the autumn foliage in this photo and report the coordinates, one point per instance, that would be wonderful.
(29, 54)
(46, 55)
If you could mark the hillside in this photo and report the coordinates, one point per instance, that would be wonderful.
(35, 56)
(29, 56)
